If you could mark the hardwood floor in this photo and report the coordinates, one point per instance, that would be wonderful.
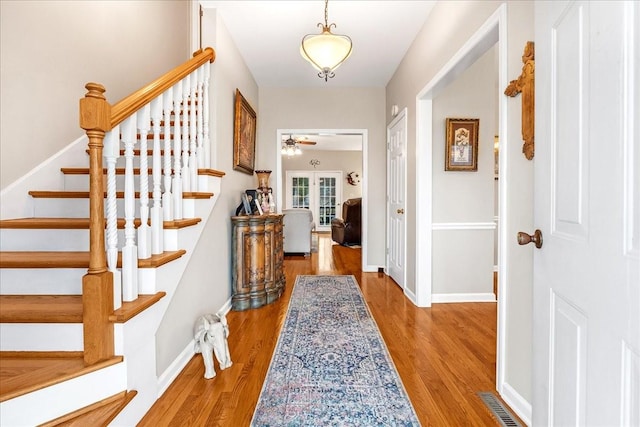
(444, 354)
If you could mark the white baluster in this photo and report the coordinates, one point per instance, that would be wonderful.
(205, 116)
(195, 109)
(177, 147)
(186, 176)
(157, 217)
(111, 153)
(167, 196)
(199, 118)
(143, 119)
(129, 251)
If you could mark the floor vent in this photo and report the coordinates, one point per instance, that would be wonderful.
(498, 409)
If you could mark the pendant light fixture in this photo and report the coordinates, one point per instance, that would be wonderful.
(326, 51)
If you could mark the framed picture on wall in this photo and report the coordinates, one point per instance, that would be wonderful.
(244, 135)
(461, 151)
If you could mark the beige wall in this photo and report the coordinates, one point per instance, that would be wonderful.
(440, 38)
(206, 284)
(333, 108)
(50, 49)
(465, 197)
(345, 161)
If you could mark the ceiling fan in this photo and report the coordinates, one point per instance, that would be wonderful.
(290, 146)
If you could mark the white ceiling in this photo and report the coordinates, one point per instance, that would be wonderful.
(268, 35)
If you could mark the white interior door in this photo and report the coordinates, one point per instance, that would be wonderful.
(396, 196)
(319, 191)
(587, 205)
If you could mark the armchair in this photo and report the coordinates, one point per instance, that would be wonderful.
(298, 225)
(347, 230)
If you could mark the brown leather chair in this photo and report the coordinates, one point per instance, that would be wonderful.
(347, 230)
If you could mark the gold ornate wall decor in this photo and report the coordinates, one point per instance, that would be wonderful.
(525, 84)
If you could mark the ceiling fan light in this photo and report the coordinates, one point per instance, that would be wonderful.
(298, 151)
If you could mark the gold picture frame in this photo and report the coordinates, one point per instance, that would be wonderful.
(244, 135)
(461, 151)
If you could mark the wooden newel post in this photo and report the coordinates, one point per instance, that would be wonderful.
(97, 284)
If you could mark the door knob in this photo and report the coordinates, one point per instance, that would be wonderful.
(536, 238)
(400, 211)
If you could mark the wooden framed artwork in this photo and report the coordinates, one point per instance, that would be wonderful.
(244, 135)
(461, 151)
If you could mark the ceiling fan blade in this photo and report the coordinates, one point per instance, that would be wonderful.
(303, 142)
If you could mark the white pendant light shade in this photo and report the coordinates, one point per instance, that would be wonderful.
(326, 51)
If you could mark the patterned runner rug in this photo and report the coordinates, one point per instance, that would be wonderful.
(331, 366)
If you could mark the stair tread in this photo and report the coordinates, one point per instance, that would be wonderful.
(119, 194)
(23, 372)
(73, 259)
(64, 308)
(99, 414)
(136, 171)
(41, 309)
(80, 223)
(130, 309)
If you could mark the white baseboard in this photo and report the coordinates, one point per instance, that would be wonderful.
(370, 268)
(172, 372)
(411, 295)
(520, 405)
(446, 298)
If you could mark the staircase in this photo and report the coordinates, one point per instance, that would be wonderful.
(85, 279)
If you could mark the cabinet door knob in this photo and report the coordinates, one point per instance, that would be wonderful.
(536, 238)
(400, 211)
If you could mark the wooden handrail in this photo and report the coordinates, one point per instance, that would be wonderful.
(132, 103)
(97, 117)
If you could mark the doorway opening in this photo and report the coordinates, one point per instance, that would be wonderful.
(492, 32)
(330, 140)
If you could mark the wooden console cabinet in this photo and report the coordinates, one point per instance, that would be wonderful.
(257, 250)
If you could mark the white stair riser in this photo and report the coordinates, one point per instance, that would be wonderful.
(41, 337)
(41, 281)
(63, 398)
(48, 240)
(74, 182)
(79, 208)
(81, 182)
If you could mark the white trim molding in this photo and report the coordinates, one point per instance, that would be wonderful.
(463, 226)
(451, 298)
(517, 403)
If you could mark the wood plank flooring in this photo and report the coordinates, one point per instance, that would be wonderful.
(444, 354)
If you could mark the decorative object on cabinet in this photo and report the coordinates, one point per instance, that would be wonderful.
(461, 151)
(257, 255)
(244, 135)
(525, 84)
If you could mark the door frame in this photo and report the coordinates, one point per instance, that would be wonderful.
(402, 116)
(364, 133)
(492, 32)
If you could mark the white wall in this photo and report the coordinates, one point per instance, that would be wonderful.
(206, 284)
(50, 49)
(463, 197)
(332, 108)
(447, 28)
(345, 161)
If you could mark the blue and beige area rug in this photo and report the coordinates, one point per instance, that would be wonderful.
(331, 366)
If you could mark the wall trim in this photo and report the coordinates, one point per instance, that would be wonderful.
(463, 226)
(450, 298)
(172, 372)
(516, 402)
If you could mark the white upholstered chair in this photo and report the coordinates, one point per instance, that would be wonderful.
(298, 225)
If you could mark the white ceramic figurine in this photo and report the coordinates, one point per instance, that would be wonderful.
(210, 334)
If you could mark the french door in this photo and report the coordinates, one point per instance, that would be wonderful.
(319, 191)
